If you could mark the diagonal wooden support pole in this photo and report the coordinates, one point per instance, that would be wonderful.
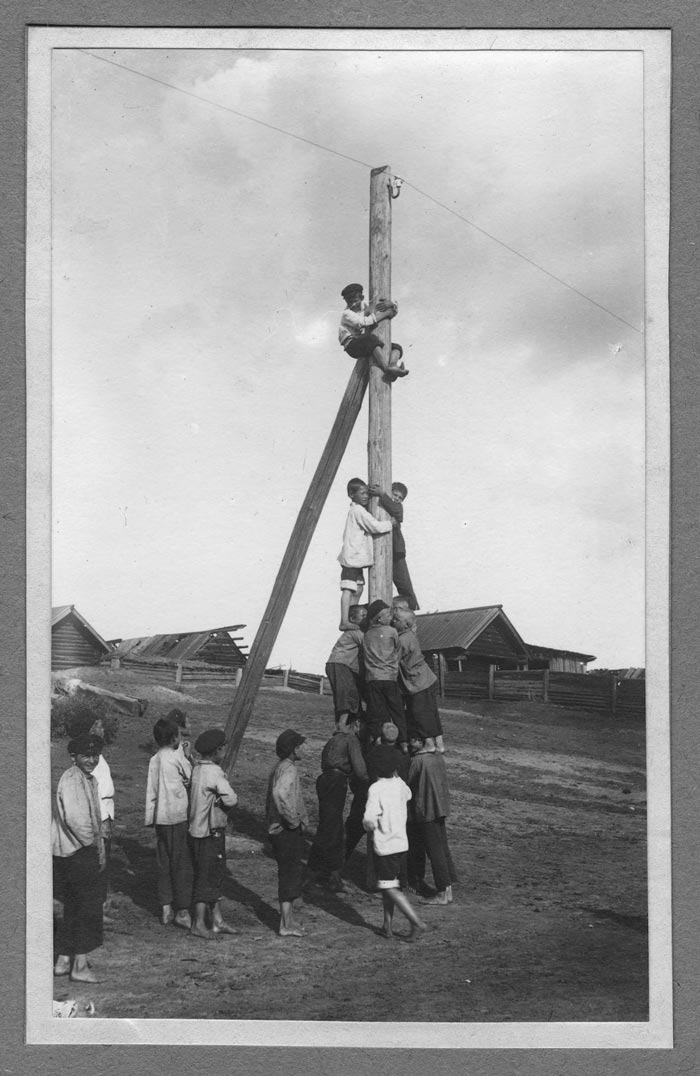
(292, 561)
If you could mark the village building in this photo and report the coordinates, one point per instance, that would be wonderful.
(74, 642)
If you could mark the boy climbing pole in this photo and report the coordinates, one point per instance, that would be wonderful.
(356, 336)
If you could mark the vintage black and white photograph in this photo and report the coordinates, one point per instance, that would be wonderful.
(348, 370)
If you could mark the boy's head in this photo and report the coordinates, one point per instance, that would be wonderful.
(84, 720)
(379, 612)
(384, 762)
(389, 732)
(210, 743)
(399, 492)
(180, 718)
(85, 750)
(402, 618)
(288, 743)
(166, 732)
(357, 615)
(358, 491)
(353, 295)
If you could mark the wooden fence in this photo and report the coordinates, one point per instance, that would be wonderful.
(605, 693)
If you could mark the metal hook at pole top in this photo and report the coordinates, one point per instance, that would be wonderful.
(395, 185)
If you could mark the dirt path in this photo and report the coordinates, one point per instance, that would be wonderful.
(549, 919)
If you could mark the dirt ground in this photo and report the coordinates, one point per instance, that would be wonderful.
(548, 923)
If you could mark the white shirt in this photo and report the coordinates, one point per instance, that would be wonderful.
(385, 815)
(358, 547)
(353, 323)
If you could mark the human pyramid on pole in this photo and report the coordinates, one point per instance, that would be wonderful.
(385, 707)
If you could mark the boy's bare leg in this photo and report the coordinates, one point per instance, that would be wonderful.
(288, 928)
(62, 965)
(386, 367)
(81, 972)
(418, 926)
(166, 914)
(199, 928)
(388, 905)
(348, 598)
(218, 923)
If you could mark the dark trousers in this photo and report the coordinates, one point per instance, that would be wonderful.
(79, 883)
(402, 582)
(288, 846)
(384, 703)
(430, 839)
(327, 850)
(422, 714)
(354, 829)
(209, 856)
(174, 865)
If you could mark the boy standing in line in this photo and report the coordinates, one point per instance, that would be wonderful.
(169, 776)
(394, 506)
(357, 552)
(211, 799)
(286, 818)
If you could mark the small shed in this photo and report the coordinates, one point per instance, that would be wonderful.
(74, 642)
(568, 661)
(215, 646)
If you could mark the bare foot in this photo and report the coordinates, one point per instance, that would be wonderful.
(397, 371)
(223, 928)
(62, 966)
(84, 975)
(202, 932)
(439, 898)
(417, 931)
(383, 932)
(291, 932)
(183, 919)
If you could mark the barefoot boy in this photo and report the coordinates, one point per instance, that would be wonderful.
(211, 799)
(356, 336)
(286, 818)
(357, 552)
(167, 800)
(385, 819)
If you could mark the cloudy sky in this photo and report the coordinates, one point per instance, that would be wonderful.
(198, 258)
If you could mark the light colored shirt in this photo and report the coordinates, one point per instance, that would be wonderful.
(347, 650)
(385, 815)
(414, 671)
(105, 787)
(358, 548)
(381, 652)
(76, 821)
(210, 794)
(169, 776)
(353, 324)
(284, 808)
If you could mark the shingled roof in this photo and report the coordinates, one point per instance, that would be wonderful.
(458, 628)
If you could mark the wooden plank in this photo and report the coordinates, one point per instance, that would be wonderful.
(292, 561)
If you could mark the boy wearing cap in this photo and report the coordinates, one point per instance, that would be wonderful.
(381, 658)
(418, 681)
(211, 798)
(356, 336)
(385, 818)
(79, 859)
(344, 669)
(393, 505)
(286, 818)
(357, 551)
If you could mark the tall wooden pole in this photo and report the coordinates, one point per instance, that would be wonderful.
(292, 561)
(379, 443)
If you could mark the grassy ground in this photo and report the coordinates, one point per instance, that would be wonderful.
(549, 921)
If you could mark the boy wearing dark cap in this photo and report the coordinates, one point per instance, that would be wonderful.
(381, 658)
(79, 859)
(286, 818)
(211, 798)
(356, 336)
